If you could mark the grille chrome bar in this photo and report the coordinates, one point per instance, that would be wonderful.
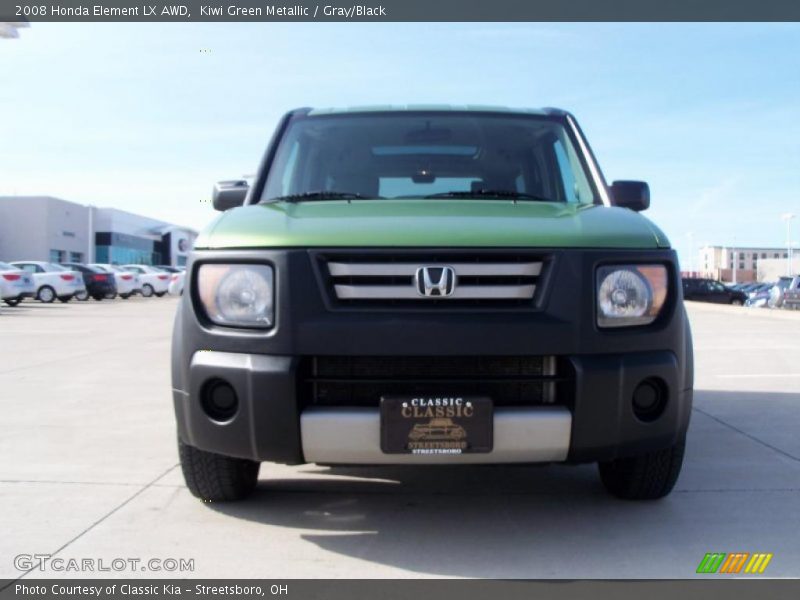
(342, 269)
(409, 292)
(433, 278)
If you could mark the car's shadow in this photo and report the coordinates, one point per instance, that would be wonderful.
(539, 521)
(487, 521)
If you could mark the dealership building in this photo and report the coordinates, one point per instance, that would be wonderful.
(729, 263)
(55, 230)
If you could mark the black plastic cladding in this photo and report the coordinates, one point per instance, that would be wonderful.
(562, 323)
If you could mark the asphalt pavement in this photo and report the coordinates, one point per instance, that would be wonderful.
(89, 470)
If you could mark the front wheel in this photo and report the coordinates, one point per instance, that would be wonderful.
(646, 476)
(216, 478)
(147, 290)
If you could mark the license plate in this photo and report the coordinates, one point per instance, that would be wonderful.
(436, 425)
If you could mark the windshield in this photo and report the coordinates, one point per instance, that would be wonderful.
(436, 154)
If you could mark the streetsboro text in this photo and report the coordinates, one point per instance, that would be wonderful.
(167, 589)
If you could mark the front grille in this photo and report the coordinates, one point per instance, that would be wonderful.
(362, 380)
(428, 279)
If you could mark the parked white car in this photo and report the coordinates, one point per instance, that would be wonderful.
(176, 283)
(52, 281)
(154, 281)
(128, 283)
(15, 284)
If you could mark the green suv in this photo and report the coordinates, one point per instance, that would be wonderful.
(390, 269)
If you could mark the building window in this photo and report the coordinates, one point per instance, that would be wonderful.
(126, 256)
(763, 255)
(785, 255)
(57, 256)
(76, 257)
(777, 255)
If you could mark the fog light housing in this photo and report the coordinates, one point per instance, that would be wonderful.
(219, 400)
(649, 400)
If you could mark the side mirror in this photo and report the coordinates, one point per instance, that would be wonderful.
(631, 194)
(229, 194)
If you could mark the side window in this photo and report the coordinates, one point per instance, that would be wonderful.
(290, 169)
(576, 186)
(567, 176)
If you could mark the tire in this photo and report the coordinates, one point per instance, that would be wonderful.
(736, 302)
(216, 478)
(124, 296)
(65, 299)
(110, 296)
(46, 294)
(98, 297)
(644, 477)
(12, 301)
(161, 294)
(147, 290)
(82, 296)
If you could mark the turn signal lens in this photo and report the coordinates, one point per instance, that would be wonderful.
(629, 295)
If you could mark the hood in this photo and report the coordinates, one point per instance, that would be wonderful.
(430, 223)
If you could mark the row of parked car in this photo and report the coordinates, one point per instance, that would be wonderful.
(47, 282)
(784, 293)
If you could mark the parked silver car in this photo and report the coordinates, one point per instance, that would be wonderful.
(15, 284)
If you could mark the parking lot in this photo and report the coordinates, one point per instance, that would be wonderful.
(89, 470)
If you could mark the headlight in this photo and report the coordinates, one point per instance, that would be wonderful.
(630, 294)
(237, 295)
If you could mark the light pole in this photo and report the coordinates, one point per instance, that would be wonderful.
(788, 218)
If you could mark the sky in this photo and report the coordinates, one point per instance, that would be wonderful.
(146, 117)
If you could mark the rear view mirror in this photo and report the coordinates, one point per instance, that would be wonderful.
(631, 194)
(229, 194)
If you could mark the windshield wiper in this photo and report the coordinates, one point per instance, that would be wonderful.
(323, 195)
(482, 193)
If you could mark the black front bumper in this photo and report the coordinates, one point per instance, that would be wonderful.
(264, 367)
